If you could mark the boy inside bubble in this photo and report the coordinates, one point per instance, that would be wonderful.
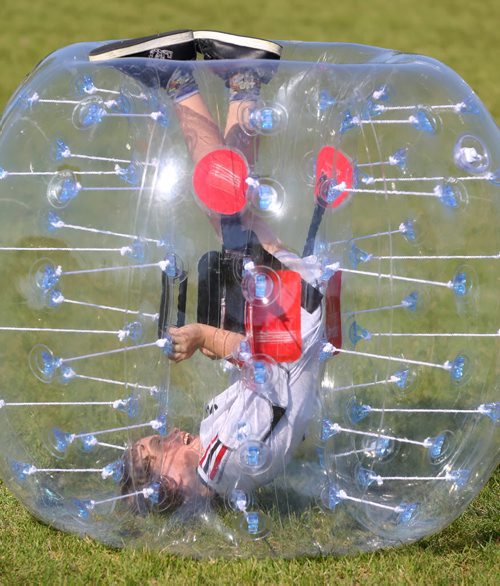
(251, 429)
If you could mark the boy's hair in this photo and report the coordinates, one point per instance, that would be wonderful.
(137, 475)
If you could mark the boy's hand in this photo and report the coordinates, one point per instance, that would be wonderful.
(208, 354)
(185, 341)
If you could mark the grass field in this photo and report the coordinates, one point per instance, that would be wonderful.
(467, 552)
(462, 34)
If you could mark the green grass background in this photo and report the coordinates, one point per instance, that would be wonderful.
(463, 34)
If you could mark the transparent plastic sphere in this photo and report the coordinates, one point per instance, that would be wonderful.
(349, 237)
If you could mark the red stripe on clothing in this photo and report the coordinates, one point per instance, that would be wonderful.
(210, 445)
(217, 462)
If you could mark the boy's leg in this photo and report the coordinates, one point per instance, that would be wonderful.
(156, 69)
(243, 78)
(201, 133)
(244, 92)
(247, 229)
(243, 84)
(200, 130)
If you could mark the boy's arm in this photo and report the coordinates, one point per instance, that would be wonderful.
(210, 340)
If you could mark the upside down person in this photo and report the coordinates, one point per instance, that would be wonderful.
(276, 414)
(188, 465)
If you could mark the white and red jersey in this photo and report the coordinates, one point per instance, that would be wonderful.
(277, 417)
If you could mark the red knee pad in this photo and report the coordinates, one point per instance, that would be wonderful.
(220, 181)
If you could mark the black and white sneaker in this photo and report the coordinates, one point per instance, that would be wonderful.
(175, 45)
(161, 48)
(215, 45)
(218, 45)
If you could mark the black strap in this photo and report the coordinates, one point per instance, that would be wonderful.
(181, 301)
(317, 216)
(209, 289)
(167, 285)
(220, 299)
(164, 305)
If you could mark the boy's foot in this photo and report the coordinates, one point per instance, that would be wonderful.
(176, 45)
(218, 45)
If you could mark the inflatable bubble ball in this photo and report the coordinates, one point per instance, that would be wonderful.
(249, 306)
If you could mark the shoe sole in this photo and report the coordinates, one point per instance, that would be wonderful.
(237, 40)
(123, 48)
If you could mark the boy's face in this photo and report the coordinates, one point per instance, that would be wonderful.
(174, 456)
